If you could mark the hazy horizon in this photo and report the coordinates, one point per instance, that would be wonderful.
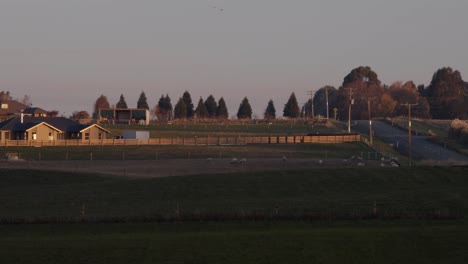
(65, 54)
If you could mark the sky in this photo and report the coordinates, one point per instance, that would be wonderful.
(65, 54)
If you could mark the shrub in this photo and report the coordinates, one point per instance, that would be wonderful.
(459, 131)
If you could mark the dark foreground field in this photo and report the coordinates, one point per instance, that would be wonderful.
(348, 215)
(235, 242)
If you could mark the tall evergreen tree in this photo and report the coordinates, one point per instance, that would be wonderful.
(142, 103)
(200, 111)
(101, 103)
(121, 103)
(221, 110)
(164, 108)
(245, 110)
(291, 108)
(188, 104)
(180, 109)
(270, 112)
(211, 106)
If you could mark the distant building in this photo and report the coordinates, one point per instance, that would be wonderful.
(129, 116)
(12, 108)
(136, 135)
(49, 128)
(35, 111)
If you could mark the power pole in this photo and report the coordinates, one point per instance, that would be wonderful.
(369, 99)
(326, 98)
(409, 131)
(350, 91)
(311, 93)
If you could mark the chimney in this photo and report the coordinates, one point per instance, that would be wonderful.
(22, 117)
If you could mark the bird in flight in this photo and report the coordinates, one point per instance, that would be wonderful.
(218, 8)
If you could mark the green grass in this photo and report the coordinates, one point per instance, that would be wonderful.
(422, 127)
(313, 216)
(290, 242)
(298, 127)
(145, 152)
(437, 127)
(428, 193)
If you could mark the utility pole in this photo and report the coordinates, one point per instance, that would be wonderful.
(350, 91)
(311, 93)
(326, 98)
(369, 99)
(409, 131)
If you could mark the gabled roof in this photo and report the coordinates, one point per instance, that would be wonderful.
(42, 123)
(94, 125)
(60, 123)
(34, 110)
(13, 107)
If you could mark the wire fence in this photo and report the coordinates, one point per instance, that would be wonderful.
(219, 140)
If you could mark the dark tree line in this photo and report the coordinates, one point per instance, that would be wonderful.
(446, 97)
(208, 109)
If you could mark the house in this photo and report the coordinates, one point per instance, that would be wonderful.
(49, 128)
(10, 108)
(35, 111)
(129, 116)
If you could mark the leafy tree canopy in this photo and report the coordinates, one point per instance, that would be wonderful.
(361, 73)
(101, 103)
(320, 101)
(445, 95)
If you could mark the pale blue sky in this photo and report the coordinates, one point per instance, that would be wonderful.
(65, 53)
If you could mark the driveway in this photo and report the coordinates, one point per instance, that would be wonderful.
(422, 149)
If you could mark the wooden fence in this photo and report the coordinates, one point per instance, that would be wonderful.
(210, 140)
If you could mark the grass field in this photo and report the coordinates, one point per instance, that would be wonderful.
(265, 242)
(145, 152)
(316, 216)
(295, 127)
(316, 194)
(438, 129)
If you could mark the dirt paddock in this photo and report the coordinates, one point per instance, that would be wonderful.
(178, 167)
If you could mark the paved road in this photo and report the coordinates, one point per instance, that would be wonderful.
(422, 149)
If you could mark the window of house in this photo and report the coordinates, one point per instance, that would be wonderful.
(7, 135)
(86, 135)
(34, 136)
(51, 136)
(100, 135)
